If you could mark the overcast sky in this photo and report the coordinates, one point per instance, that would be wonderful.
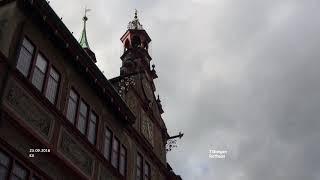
(241, 76)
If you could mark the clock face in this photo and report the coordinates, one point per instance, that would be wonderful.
(147, 89)
(147, 128)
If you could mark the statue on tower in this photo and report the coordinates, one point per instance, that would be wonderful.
(135, 24)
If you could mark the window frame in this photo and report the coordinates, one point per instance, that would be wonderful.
(86, 116)
(142, 169)
(95, 128)
(16, 164)
(77, 114)
(56, 96)
(13, 160)
(139, 169)
(33, 55)
(9, 165)
(108, 158)
(30, 74)
(34, 66)
(76, 104)
(122, 147)
(146, 164)
(115, 139)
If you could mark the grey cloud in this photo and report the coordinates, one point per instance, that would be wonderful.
(235, 75)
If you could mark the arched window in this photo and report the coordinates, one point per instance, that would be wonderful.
(136, 42)
(126, 45)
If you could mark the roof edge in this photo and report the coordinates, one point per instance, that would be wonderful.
(73, 48)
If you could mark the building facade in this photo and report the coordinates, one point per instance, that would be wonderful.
(61, 118)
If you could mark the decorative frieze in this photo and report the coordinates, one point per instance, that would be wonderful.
(74, 151)
(28, 110)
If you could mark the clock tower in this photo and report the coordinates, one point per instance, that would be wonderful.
(136, 86)
(136, 56)
(136, 60)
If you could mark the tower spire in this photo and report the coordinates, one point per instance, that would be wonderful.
(136, 57)
(83, 40)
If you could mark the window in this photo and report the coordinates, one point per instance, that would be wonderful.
(139, 167)
(39, 72)
(143, 171)
(122, 161)
(80, 115)
(107, 144)
(147, 171)
(19, 172)
(72, 106)
(4, 165)
(82, 118)
(92, 129)
(11, 169)
(115, 153)
(25, 57)
(46, 82)
(52, 86)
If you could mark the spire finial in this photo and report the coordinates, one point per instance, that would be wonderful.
(135, 13)
(83, 40)
(135, 24)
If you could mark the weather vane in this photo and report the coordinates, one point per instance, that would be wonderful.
(86, 10)
(85, 13)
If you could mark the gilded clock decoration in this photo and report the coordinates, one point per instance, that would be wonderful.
(125, 84)
(147, 128)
